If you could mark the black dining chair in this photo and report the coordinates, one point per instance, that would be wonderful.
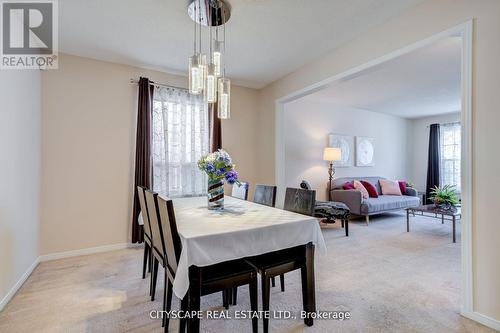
(240, 191)
(265, 195)
(214, 278)
(269, 266)
(148, 240)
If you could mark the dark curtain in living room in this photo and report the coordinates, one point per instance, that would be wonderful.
(214, 128)
(143, 157)
(433, 172)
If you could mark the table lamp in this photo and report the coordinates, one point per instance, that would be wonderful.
(331, 154)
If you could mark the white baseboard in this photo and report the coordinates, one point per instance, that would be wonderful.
(60, 255)
(482, 319)
(90, 250)
(18, 284)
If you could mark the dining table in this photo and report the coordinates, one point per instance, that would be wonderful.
(242, 229)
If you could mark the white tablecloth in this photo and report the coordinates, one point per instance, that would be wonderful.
(242, 229)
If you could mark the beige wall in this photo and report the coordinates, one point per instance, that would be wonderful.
(307, 123)
(20, 148)
(89, 116)
(411, 26)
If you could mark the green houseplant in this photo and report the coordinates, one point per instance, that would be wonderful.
(445, 196)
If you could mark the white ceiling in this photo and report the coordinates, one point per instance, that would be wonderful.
(267, 39)
(422, 83)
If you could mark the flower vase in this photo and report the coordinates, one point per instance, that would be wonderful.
(215, 194)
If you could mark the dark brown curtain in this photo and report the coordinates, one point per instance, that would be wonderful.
(214, 128)
(143, 158)
(433, 172)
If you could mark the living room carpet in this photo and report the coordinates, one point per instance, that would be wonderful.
(389, 280)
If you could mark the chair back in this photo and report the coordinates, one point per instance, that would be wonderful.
(152, 205)
(265, 195)
(144, 211)
(240, 191)
(300, 201)
(173, 245)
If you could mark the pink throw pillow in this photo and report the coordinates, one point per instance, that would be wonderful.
(372, 191)
(389, 187)
(358, 186)
(402, 186)
(348, 186)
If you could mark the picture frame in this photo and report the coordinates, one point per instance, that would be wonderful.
(365, 151)
(346, 144)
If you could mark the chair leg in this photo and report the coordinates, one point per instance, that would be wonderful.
(265, 299)
(225, 299)
(150, 264)
(235, 295)
(155, 276)
(367, 219)
(184, 308)
(145, 260)
(164, 299)
(167, 303)
(346, 227)
(342, 223)
(273, 282)
(254, 304)
(282, 282)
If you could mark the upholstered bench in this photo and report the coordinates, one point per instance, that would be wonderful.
(330, 210)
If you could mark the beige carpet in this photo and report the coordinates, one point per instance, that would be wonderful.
(390, 281)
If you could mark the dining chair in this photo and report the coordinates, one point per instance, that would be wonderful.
(148, 241)
(214, 278)
(265, 195)
(269, 266)
(240, 191)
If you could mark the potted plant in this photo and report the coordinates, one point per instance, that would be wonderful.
(445, 197)
(219, 167)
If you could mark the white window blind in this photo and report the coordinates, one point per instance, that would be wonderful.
(450, 154)
(180, 138)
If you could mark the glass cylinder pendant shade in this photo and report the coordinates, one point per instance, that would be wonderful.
(217, 56)
(211, 84)
(203, 71)
(195, 74)
(224, 100)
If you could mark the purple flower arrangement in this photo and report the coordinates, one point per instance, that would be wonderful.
(219, 166)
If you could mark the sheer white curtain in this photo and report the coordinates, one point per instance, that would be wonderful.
(450, 154)
(180, 138)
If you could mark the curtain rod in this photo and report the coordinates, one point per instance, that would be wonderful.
(445, 124)
(133, 81)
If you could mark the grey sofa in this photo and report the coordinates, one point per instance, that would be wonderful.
(371, 206)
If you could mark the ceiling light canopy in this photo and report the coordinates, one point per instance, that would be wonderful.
(207, 75)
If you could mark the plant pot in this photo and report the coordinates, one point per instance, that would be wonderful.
(215, 194)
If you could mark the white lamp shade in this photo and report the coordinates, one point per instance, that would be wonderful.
(332, 154)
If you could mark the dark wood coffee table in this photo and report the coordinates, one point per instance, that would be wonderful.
(433, 211)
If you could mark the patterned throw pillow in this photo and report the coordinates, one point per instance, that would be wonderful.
(358, 186)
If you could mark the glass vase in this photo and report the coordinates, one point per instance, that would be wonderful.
(215, 194)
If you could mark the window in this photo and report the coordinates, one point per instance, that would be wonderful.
(450, 154)
(180, 138)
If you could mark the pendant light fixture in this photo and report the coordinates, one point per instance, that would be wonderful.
(207, 76)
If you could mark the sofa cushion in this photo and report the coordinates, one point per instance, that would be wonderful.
(388, 202)
(390, 187)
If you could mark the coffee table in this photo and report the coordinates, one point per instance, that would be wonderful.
(432, 211)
